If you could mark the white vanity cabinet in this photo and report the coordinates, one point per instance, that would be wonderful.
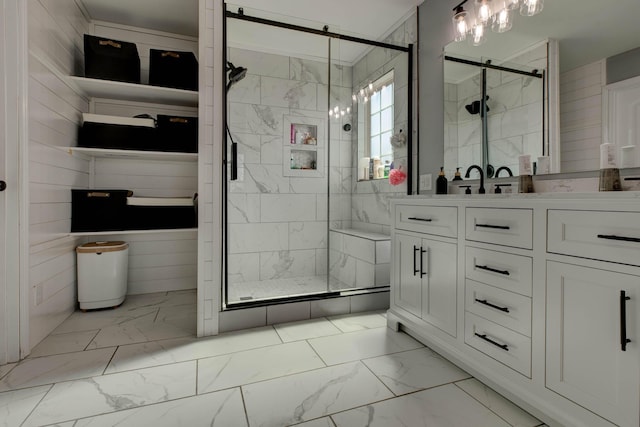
(542, 294)
(593, 327)
(425, 265)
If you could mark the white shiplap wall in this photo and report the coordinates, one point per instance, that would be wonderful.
(581, 117)
(55, 31)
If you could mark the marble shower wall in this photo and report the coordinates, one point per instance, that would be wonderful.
(370, 199)
(278, 223)
(514, 120)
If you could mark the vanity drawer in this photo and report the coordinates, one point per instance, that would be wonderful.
(502, 344)
(438, 220)
(507, 271)
(505, 308)
(509, 227)
(607, 236)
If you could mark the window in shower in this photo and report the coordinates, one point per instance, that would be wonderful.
(379, 126)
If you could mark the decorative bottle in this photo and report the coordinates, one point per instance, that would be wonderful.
(441, 183)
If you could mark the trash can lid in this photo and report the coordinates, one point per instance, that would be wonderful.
(95, 247)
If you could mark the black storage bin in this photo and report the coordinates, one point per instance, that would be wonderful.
(115, 132)
(98, 210)
(145, 213)
(110, 59)
(178, 133)
(173, 69)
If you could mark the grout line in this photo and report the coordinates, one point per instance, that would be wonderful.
(489, 408)
(378, 378)
(244, 405)
(109, 362)
(37, 404)
(91, 340)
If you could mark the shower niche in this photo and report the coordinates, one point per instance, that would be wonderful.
(303, 147)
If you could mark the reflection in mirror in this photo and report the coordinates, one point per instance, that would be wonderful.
(494, 111)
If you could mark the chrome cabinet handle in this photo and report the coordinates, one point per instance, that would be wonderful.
(614, 237)
(422, 251)
(495, 270)
(623, 321)
(415, 270)
(490, 341)
(497, 307)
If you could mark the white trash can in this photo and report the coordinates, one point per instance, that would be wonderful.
(102, 274)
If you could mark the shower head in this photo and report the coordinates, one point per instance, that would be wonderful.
(475, 107)
(235, 74)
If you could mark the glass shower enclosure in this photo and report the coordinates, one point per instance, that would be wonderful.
(294, 140)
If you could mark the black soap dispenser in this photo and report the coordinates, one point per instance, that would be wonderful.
(441, 183)
(457, 176)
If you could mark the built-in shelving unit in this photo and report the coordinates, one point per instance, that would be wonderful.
(96, 88)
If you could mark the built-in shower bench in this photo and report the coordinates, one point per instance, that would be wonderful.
(359, 258)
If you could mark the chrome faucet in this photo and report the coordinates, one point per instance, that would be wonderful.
(503, 168)
(466, 175)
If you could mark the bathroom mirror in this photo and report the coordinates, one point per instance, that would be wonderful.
(494, 111)
(587, 32)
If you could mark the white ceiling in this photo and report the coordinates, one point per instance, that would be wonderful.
(370, 19)
(587, 30)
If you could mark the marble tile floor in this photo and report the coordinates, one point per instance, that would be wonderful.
(339, 371)
(284, 287)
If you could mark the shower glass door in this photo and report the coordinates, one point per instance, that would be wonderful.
(277, 205)
(299, 221)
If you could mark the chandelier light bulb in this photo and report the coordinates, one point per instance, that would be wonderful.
(478, 35)
(370, 86)
(512, 4)
(348, 110)
(354, 98)
(483, 12)
(502, 21)
(460, 25)
(531, 7)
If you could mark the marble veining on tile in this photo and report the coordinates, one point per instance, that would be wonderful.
(498, 404)
(310, 395)
(306, 329)
(61, 367)
(115, 392)
(136, 356)
(414, 370)
(442, 406)
(219, 409)
(217, 373)
(15, 406)
(63, 343)
(359, 322)
(361, 345)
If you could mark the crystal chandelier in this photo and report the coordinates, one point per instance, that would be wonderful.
(494, 14)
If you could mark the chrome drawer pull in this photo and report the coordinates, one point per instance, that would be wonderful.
(499, 227)
(623, 321)
(489, 340)
(413, 218)
(614, 237)
(497, 307)
(495, 270)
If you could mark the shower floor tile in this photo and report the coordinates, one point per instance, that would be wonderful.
(286, 287)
